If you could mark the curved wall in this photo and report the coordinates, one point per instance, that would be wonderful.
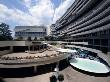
(87, 21)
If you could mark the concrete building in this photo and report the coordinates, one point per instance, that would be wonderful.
(30, 31)
(86, 25)
(48, 31)
(52, 27)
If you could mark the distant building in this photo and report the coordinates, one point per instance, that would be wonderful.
(53, 31)
(48, 31)
(30, 31)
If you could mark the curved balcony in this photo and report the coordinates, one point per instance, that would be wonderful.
(103, 5)
(106, 27)
(102, 22)
(95, 19)
(78, 7)
(75, 8)
(70, 9)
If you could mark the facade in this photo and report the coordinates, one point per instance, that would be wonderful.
(86, 24)
(48, 31)
(30, 31)
(52, 27)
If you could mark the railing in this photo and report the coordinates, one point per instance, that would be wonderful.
(94, 30)
(90, 15)
(97, 24)
(98, 17)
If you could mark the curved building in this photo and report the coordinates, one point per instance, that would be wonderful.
(86, 25)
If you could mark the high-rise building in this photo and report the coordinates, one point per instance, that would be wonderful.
(86, 24)
(30, 31)
(52, 27)
(48, 30)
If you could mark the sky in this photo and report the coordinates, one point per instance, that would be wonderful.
(32, 12)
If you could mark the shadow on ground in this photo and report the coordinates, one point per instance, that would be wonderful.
(92, 74)
(1, 80)
(24, 72)
(29, 71)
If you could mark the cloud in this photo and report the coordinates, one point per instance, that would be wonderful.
(62, 9)
(27, 3)
(42, 12)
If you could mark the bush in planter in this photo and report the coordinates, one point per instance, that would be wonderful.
(60, 77)
(53, 78)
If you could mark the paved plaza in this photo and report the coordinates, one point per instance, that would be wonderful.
(70, 75)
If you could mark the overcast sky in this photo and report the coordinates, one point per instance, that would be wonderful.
(32, 12)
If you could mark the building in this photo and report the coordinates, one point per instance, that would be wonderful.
(30, 31)
(86, 25)
(48, 30)
(52, 27)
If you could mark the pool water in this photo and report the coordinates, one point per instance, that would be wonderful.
(89, 65)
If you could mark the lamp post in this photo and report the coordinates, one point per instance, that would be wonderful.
(57, 70)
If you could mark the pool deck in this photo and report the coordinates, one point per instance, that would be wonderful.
(70, 75)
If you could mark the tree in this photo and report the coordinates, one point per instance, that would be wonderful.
(29, 39)
(61, 77)
(53, 78)
(19, 38)
(50, 38)
(35, 39)
(5, 32)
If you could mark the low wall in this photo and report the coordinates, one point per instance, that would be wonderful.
(14, 43)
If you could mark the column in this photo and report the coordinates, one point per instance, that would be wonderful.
(57, 70)
(28, 48)
(108, 48)
(11, 48)
(35, 69)
(33, 47)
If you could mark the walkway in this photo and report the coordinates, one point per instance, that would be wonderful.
(70, 75)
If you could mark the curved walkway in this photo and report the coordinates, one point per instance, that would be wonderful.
(70, 75)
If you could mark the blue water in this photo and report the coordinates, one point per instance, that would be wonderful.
(89, 65)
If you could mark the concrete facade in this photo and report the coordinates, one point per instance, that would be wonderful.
(30, 31)
(11, 44)
(87, 21)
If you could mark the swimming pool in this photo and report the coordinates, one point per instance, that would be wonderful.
(89, 65)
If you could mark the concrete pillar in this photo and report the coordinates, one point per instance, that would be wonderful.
(93, 42)
(38, 47)
(35, 69)
(28, 48)
(57, 65)
(32, 47)
(11, 48)
(108, 53)
(57, 70)
(109, 46)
